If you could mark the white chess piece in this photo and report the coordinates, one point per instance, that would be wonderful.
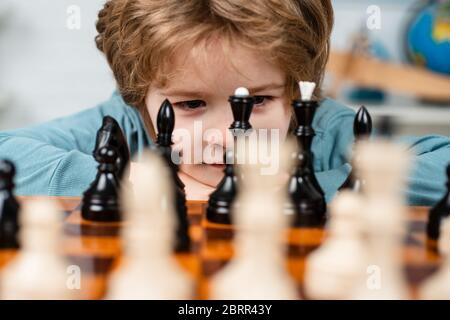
(258, 269)
(150, 271)
(437, 287)
(38, 272)
(383, 166)
(332, 269)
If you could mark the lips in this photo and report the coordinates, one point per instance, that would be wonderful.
(216, 165)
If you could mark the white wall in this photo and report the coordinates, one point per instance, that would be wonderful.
(351, 15)
(46, 69)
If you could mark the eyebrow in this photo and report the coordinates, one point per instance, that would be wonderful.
(269, 86)
(187, 92)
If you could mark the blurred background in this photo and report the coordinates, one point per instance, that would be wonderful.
(392, 56)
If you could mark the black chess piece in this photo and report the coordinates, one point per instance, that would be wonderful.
(9, 207)
(101, 200)
(240, 128)
(362, 129)
(221, 200)
(362, 126)
(308, 201)
(241, 107)
(308, 206)
(386, 126)
(439, 212)
(165, 123)
(111, 134)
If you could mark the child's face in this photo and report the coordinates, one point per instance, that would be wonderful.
(203, 80)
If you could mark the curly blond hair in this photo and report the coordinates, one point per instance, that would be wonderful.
(140, 37)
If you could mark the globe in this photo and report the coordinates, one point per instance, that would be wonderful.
(428, 38)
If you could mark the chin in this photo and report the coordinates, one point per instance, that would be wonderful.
(207, 174)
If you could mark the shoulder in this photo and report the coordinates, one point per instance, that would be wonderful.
(333, 124)
(331, 114)
(117, 108)
(129, 118)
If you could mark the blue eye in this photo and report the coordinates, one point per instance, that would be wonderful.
(262, 100)
(190, 105)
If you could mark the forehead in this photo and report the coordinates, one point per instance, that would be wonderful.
(221, 66)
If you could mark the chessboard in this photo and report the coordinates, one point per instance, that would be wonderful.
(96, 248)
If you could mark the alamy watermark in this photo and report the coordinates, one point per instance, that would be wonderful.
(73, 281)
(374, 17)
(256, 146)
(73, 21)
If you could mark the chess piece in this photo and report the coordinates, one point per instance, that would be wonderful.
(110, 134)
(9, 207)
(437, 287)
(362, 129)
(221, 200)
(166, 124)
(150, 270)
(100, 201)
(331, 270)
(439, 212)
(241, 106)
(362, 126)
(38, 272)
(307, 204)
(383, 166)
(258, 269)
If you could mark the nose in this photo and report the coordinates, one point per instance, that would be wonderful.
(217, 129)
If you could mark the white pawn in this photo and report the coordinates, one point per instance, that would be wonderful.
(437, 287)
(383, 166)
(38, 272)
(258, 270)
(383, 277)
(149, 270)
(332, 269)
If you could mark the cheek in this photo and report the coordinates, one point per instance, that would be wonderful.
(276, 116)
(183, 135)
(153, 103)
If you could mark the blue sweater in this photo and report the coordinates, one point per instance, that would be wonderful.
(55, 158)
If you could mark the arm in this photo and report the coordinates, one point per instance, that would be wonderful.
(332, 144)
(55, 158)
(426, 183)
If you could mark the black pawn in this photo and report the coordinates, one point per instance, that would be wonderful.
(241, 107)
(165, 123)
(439, 212)
(307, 197)
(221, 200)
(101, 200)
(111, 134)
(362, 129)
(9, 207)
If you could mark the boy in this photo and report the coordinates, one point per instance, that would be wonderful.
(196, 53)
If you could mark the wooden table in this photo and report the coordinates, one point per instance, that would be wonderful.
(97, 249)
